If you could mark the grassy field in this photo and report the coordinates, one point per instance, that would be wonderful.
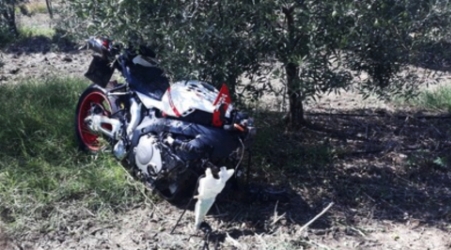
(41, 171)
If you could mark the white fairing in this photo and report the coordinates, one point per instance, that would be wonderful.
(183, 97)
(150, 102)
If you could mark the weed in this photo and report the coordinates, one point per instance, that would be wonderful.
(27, 32)
(438, 99)
(40, 168)
(32, 8)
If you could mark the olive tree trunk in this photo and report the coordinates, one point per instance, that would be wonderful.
(9, 15)
(296, 109)
(295, 95)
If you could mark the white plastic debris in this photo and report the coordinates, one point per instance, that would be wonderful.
(209, 188)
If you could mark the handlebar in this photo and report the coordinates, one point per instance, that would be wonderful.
(100, 45)
(116, 53)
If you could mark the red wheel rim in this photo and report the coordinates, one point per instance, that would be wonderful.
(89, 139)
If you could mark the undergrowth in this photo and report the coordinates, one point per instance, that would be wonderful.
(438, 99)
(27, 32)
(32, 8)
(40, 167)
(24, 33)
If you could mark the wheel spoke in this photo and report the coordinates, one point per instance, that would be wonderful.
(93, 102)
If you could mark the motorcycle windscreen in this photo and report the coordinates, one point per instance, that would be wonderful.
(99, 71)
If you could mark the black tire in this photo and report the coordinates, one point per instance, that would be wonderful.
(89, 142)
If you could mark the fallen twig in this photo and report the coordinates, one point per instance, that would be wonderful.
(317, 216)
(276, 216)
(95, 230)
(386, 202)
(358, 231)
(234, 242)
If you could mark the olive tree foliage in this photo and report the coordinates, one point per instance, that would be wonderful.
(202, 39)
(320, 46)
(129, 22)
(302, 36)
(331, 45)
(387, 38)
(8, 28)
(8, 25)
(221, 40)
(8, 16)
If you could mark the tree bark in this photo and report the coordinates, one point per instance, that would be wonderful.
(10, 16)
(49, 8)
(296, 109)
(295, 97)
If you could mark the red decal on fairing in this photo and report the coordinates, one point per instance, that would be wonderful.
(222, 101)
(223, 96)
(105, 43)
(171, 103)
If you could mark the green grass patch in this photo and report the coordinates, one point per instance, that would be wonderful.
(439, 99)
(36, 7)
(41, 169)
(32, 8)
(27, 32)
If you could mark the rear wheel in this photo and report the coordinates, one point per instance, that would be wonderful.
(93, 100)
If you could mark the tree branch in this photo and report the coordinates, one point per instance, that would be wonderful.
(49, 8)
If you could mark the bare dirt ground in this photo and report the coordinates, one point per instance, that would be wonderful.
(386, 190)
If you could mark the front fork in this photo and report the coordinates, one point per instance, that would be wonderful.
(96, 124)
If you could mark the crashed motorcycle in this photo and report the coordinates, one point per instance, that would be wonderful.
(171, 136)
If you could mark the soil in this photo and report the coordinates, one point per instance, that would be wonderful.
(386, 190)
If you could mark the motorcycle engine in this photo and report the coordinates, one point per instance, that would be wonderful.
(148, 156)
(154, 158)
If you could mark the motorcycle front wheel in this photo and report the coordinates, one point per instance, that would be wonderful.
(93, 99)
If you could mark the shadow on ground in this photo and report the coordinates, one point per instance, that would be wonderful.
(382, 166)
(373, 166)
(254, 209)
(41, 44)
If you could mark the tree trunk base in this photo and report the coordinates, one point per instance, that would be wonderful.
(296, 124)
